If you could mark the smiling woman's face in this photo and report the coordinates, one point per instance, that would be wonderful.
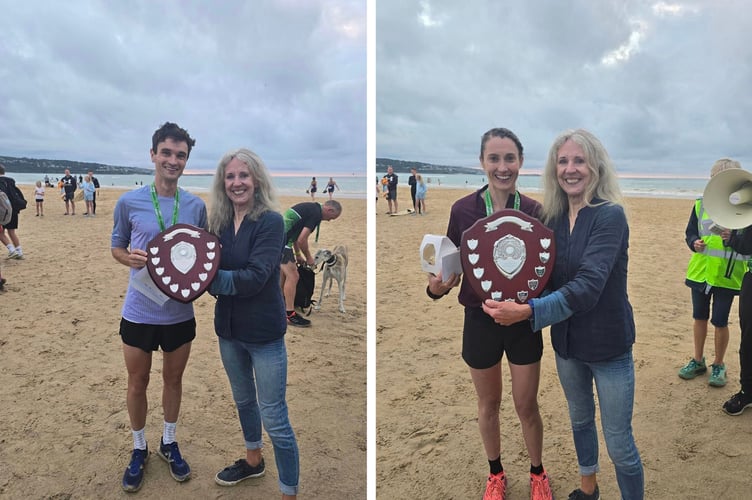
(572, 170)
(501, 161)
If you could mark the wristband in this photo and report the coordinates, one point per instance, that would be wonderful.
(433, 296)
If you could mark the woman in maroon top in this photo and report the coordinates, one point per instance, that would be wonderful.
(484, 342)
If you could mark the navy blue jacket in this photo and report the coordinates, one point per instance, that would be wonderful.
(591, 272)
(256, 310)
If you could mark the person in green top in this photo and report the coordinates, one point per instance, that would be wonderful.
(714, 275)
(300, 221)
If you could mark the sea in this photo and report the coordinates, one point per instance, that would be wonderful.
(357, 186)
(631, 185)
(350, 186)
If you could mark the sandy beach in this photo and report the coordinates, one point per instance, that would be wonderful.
(428, 444)
(64, 429)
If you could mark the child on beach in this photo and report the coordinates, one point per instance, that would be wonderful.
(39, 198)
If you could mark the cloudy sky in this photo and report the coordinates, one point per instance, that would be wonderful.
(92, 80)
(666, 86)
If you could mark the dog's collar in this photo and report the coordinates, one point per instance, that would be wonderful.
(329, 262)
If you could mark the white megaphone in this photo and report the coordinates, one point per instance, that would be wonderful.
(728, 198)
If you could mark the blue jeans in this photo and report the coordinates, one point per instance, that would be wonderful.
(615, 383)
(258, 377)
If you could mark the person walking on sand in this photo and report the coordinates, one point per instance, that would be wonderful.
(592, 323)
(312, 188)
(39, 198)
(9, 233)
(330, 187)
(484, 343)
(146, 325)
(714, 273)
(249, 317)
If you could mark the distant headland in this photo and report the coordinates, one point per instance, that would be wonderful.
(43, 166)
(403, 166)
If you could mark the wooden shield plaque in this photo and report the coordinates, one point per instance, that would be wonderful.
(508, 256)
(182, 261)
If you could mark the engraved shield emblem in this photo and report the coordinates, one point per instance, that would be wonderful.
(182, 261)
(508, 255)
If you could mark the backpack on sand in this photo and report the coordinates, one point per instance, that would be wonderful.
(304, 291)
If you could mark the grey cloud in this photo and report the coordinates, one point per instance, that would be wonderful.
(676, 103)
(91, 80)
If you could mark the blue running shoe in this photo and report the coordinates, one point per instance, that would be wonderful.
(133, 478)
(179, 468)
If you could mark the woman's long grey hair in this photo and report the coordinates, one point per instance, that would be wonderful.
(603, 183)
(264, 199)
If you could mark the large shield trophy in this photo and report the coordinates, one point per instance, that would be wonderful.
(182, 261)
(508, 256)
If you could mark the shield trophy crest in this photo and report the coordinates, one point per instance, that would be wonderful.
(182, 261)
(508, 256)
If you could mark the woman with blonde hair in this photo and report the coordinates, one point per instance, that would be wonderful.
(592, 324)
(249, 316)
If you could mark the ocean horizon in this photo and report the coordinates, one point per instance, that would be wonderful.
(356, 185)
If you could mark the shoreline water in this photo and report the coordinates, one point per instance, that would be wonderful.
(356, 186)
(350, 186)
(631, 186)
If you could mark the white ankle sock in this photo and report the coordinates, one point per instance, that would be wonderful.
(168, 435)
(139, 439)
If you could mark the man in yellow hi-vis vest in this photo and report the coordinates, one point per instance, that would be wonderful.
(714, 274)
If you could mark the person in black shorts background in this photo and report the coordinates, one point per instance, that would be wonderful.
(391, 189)
(300, 222)
(484, 342)
(69, 187)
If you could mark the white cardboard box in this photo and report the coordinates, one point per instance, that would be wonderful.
(439, 255)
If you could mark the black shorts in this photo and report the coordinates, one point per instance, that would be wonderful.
(13, 222)
(391, 194)
(151, 337)
(69, 196)
(287, 255)
(484, 341)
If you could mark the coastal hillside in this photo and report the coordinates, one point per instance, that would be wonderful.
(404, 166)
(43, 166)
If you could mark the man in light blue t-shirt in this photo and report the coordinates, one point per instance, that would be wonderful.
(146, 326)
